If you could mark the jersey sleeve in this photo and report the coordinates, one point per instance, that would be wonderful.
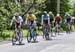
(34, 17)
(13, 18)
(48, 16)
(21, 19)
(42, 16)
(27, 17)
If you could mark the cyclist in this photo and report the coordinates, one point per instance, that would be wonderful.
(45, 21)
(68, 20)
(67, 17)
(51, 21)
(17, 19)
(31, 23)
(58, 20)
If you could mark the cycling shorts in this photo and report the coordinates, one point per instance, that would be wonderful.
(68, 20)
(45, 22)
(51, 20)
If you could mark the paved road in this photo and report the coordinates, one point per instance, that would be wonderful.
(62, 43)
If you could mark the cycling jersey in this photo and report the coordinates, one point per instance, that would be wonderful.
(18, 20)
(58, 19)
(45, 19)
(51, 18)
(68, 18)
(32, 17)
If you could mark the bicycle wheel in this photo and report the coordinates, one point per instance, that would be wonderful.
(29, 37)
(20, 38)
(68, 28)
(34, 36)
(51, 32)
(14, 39)
(46, 34)
(57, 29)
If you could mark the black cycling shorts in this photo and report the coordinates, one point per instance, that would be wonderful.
(45, 22)
(74, 20)
(51, 20)
(17, 24)
(68, 20)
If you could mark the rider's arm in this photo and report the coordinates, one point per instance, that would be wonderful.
(12, 21)
(65, 19)
(48, 19)
(42, 20)
(21, 20)
(34, 18)
(26, 19)
(71, 18)
(60, 19)
(53, 19)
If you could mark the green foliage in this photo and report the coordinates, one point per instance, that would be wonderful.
(7, 10)
(9, 7)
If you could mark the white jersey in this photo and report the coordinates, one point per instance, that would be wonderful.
(19, 20)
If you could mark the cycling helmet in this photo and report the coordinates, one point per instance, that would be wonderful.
(58, 14)
(45, 12)
(30, 12)
(67, 14)
(16, 14)
(50, 12)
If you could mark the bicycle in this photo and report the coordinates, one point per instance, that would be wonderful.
(46, 33)
(68, 26)
(17, 36)
(51, 31)
(57, 28)
(31, 33)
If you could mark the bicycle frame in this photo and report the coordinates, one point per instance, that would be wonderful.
(68, 27)
(57, 28)
(32, 33)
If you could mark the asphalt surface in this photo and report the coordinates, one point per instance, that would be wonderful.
(61, 43)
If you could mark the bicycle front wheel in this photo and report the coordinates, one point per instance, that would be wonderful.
(29, 37)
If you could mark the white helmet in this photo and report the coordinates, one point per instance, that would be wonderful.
(45, 12)
(67, 14)
(58, 14)
(50, 12)
(16, 14)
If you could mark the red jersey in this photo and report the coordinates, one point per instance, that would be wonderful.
(58, 18)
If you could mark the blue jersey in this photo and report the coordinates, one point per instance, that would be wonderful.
(45, 17)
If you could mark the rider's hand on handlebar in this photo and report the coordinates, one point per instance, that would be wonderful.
(10, 24)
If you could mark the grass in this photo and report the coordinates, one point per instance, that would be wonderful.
(8, 33)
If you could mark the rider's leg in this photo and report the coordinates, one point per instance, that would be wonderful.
(43, 31)
(51, 29)
(58, 28)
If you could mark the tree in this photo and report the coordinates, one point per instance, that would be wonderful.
(7, 10)
(51, 5)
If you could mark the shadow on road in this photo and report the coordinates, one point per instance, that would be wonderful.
(34, 42)
(19, 44)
